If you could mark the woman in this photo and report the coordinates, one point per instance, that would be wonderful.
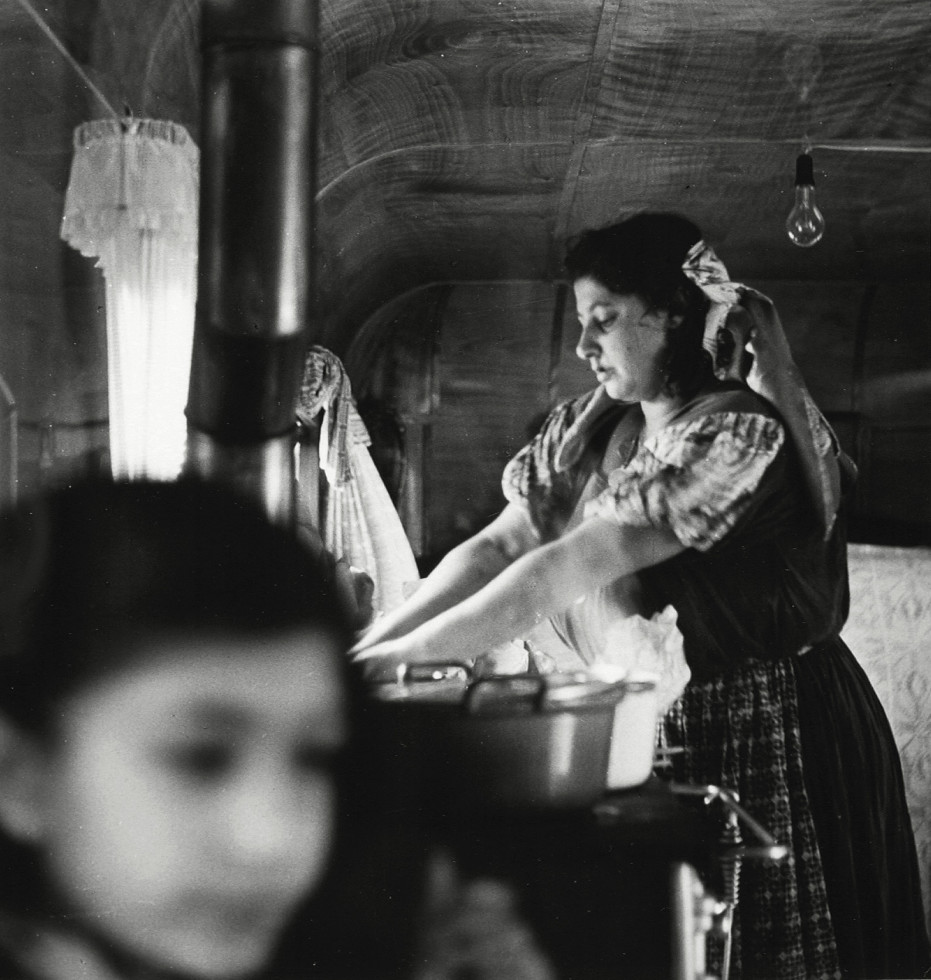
(675, 482)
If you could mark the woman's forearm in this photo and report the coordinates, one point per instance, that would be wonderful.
(461, 573)
(542, 583)
(539, 582)
(506, 607)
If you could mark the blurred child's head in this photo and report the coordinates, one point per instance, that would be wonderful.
(173, 702)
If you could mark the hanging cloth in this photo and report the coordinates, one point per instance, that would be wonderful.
(132, 203)
(361, 524)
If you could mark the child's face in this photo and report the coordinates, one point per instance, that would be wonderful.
(190, 802)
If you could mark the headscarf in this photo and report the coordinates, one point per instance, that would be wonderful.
(708, 272)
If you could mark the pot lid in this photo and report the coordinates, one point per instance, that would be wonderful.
(452, 683)
(442, 682)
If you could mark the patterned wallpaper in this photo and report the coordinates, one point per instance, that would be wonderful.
(889, 631)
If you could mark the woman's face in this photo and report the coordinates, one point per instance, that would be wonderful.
(622, 339)
(189, 802)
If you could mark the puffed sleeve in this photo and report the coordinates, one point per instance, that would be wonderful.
(533, 479)
(696, 478)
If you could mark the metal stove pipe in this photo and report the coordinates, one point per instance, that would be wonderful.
(258, 147)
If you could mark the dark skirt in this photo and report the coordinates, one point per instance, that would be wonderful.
(807, 746)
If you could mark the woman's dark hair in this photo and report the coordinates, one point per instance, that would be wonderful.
(89, 572)
(643, 255)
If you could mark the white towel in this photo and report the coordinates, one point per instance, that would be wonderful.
(361, 524)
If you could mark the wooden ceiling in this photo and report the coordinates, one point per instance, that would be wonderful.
(465, 140)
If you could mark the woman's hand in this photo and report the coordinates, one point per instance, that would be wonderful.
(468, 568)
(385, 660)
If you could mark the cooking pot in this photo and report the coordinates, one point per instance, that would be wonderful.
(524, 740)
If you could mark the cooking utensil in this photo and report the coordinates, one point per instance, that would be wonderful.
(522, 740)
(634, 735)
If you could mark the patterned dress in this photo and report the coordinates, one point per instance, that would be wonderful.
(777, 708)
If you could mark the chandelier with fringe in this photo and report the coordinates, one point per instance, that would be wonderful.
(132, 203)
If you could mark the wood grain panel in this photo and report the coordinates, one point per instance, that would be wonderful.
(740, 196)
(438, 216)
(171, 77)
(494, 368)
(821, 323)
(792, 18)
(436, 73)
(894, 348)
(896, 492)
(733, 70)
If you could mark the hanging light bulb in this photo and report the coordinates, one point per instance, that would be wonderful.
(805, 223)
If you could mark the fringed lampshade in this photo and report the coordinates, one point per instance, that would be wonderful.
(132, 203)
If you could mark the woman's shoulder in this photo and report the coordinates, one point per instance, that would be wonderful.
(725, 398)
(542, 473)
(725, 423)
